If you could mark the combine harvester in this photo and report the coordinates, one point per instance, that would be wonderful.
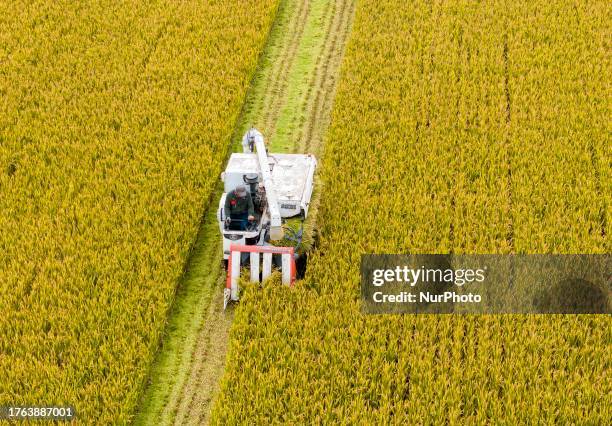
(280, 186)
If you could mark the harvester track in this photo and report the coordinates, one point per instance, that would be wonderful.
(190, 364)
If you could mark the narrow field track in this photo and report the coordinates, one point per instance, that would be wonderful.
(290, 102)
(276, 85)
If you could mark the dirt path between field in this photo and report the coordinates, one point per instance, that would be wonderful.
(290, 101)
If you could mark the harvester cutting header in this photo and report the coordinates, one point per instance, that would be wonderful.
(262, 191)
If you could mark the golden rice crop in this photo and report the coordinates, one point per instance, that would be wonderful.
(475, 127)
(115, 119)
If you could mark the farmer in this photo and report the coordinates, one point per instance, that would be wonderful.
(239, 208)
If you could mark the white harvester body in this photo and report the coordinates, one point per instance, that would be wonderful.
(280, 186)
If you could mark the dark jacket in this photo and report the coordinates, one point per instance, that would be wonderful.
(235, 205)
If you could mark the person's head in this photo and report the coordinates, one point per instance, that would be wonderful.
(241, 191)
